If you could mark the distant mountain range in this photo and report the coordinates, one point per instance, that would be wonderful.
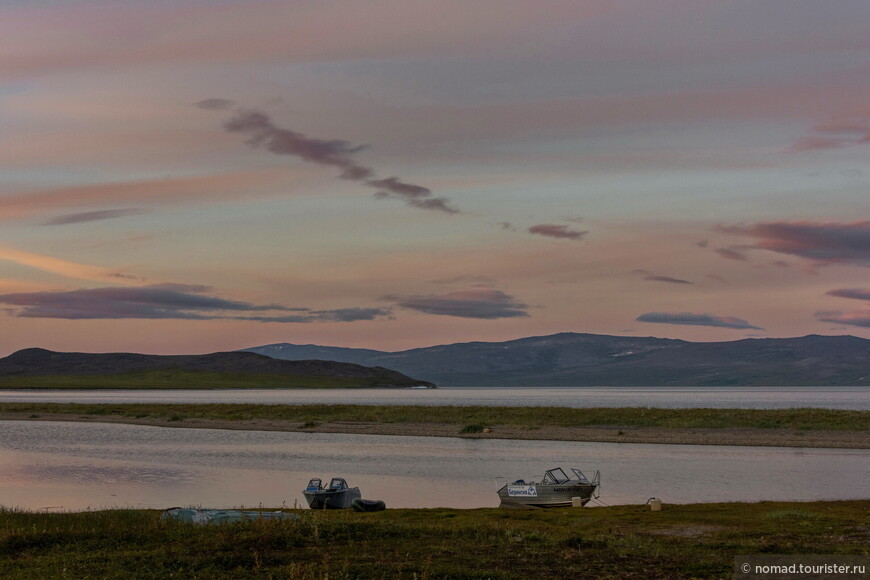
(37, 362)
(570, 359)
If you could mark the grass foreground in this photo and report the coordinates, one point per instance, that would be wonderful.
(802, 419)
(681, 541)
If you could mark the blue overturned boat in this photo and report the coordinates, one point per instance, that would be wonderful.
(213, 516)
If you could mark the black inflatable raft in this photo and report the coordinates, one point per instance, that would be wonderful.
(368, 505)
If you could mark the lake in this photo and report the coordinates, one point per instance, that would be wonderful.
(669, 397)
(77, 466)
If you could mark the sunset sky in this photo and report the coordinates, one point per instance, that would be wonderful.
(202, 175)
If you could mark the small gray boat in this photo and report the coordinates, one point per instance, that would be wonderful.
(335, 496)
(556, 489)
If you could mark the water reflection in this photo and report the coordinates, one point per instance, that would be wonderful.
(114, 475)
(81, 466)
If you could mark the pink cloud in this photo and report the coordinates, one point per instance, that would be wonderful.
(125, 35)
(338, 153)
(130, 34)
(501, 120)
(91, 216)
(166, 301)
(667, 279)
(476, 302)
(691, 319)
(62, 267)
(213, 188)
(731, 254)
(822, 242)
(556, 231)
(816, 143)
(859, 318)
(851, 131)
(859, 126)
(853, 293)
(650, 277)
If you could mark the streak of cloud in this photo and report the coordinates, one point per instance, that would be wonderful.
(263, 133)
(815, 143)
(153, 301)
(481, 302)
(216, 104)
(557, 231)
(650, 277)
(91, 216)
(853, 293)
(853, 126)
(731, 254)
(836, 134)
(823, 242)
(860, 318)
(667, 279)
(690, 319)
(175, 190)
(469, 279)
(276, 32)
(162, 302)
(337, 315)
(339, 153)
(61, 267)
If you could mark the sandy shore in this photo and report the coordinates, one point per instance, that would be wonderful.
(749, 437)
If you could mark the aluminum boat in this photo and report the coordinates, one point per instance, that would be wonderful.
(556, 489)
(335, 496)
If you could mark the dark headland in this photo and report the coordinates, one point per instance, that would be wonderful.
(36, 367)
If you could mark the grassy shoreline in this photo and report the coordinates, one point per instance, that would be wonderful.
(522, 417)
(682, 541)
(811, 428)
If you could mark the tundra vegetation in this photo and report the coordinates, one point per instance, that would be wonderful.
(681, 541)
(803, 419)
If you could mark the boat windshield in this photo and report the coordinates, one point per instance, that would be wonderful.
(314, 483)
(556, 476)
(337, 483)
(579, 475)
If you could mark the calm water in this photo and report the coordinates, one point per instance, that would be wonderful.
(672, 397)
(75, 466)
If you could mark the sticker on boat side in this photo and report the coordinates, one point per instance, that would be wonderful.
(522, 491)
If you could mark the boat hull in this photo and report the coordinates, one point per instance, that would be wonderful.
(331, 499)
(543, 496)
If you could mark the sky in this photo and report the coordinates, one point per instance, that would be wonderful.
(197, 176)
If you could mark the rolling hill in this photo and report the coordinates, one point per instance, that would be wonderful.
(572, 359)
